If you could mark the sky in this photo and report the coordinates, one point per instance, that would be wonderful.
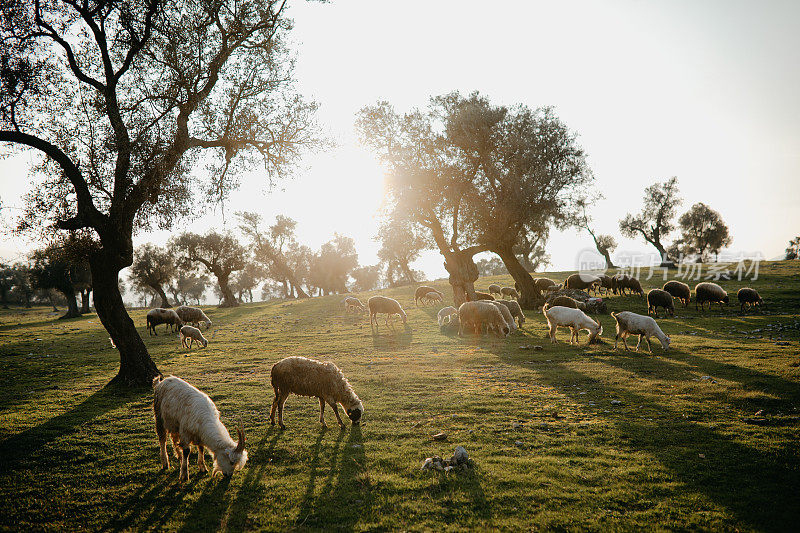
(705, 91)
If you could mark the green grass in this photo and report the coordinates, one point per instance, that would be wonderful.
(678, 452)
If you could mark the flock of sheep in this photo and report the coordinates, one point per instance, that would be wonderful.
(190, 418)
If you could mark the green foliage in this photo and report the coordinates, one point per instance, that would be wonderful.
(655, 221)
(565, 438)
(702, 232)
(793, 251)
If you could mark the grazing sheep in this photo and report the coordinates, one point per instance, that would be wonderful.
(512, 326)
(711, 293)
(631, 283)
(515, 309)
(190, 334)
(190, 417)
(494, 288)
(481, 296)
(575, 320)
(511, 292)
(658, 298)
(479, 315)
(445, 315)
(542, 284)
(193, 315)
(748, 296)
(679, 290)
(620, 282)
(159, 315)
(353, 305)
(422, 290)
(581, 281)
(432, 298)
(309, 377)
(645, 326)
(565, 301)
(607, 283)
(384, 305)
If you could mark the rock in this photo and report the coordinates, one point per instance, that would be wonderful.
(356, 446)
(459, 456)
(538, 348)
(516, 425)
(616, 402)
(706, 378)
(440, 436)
(519, 443)
(448, 468)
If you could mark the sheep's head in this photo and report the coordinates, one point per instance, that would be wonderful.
(205, 342)
(665, 342)
(355, 413)
(227, 461)
(726, 299)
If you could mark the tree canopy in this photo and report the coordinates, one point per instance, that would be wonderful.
(702, 232)
(153, 267)
(655, 221)
(220, 254)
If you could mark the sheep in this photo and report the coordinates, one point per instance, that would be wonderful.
(581, 281)
(607, 283)
(629, 323)
(679, 290)
(494, 288)
(629, 282)
(565, 301)
(353, 304)
(480, 314)
(159, 315)
(309, 377)
(542, 284)
(512, 326)
(620, 283)
(515, 309)
(575, 319)
(193, 315)
(748, 296)
(191, 334)
(511, 292)
(711, 293)
(422, 290)
(481, 296)
(445, 315)
(190, 417)
(432, 297)
(382, 304)
(658, 298)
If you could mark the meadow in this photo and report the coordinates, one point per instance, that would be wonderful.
(701, 437)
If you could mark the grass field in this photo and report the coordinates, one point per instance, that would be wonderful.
(566, 438)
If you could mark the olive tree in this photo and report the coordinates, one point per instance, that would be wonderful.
(702, 232)
(153, 267)
(122, 99)
(655, 221)
(220, 254)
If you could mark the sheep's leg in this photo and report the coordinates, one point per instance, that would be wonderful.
(184, 463)
(625, 341)
(281, 401)
(201, 458)
(274, 408)
(649, 348)
(640, 342)
(176, 446)
(335, 408)
(162, 441)
(322, 412)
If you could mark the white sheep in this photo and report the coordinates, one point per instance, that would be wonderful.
(191, 334)
(512, 326)
(515, 309)
(445, 315)
(494, 288)
(159, 315)
(511, 292)
(190, 417)
(353, 305)
(384, 305)
(574, 319)
(479, 315)
(308, 377)
(432, 297)
(629, 323)
(193, 315)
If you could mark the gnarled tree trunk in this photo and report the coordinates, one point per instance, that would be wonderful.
(228, 298)
(85, 300)
(72, 303)
(463, 275)
(529, 295)
(136, 367)
(161, 294)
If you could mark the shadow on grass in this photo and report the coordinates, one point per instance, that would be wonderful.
(16, 449)
(392, 337)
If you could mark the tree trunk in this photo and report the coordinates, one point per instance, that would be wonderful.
(607, 256)
(72, 304)
(161, 294)
(407, 271)
(529, 295)
(665, 259)
(463, 274)
(52, 300)
(228, 298)
(85, 300)
(136, 369)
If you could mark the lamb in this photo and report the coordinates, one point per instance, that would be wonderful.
(191, 334)
(189, 417)
(432, 297)
(384, 305)
(511, 292)
(482, 296)
(542, 284)
(445, 315)
(193, 315)
(565, 301)
(711, 293)
(494, 288)
(748, 296)
(353, 305)
(479, 315)
(575, 319)
(581, 281)
(679, 290)
(629, 323)
(629, 282)
(159, 315)
(309, 377)
(512, 326)
(515, 309)
(658, 298)
(422, 290)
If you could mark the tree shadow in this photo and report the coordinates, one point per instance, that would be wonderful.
(141, 500)
(16, 449)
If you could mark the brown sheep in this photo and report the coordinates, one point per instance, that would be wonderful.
(581, 281)
(658, 298)
(542, 283)
(748, 296)
(159, 315)
(481, 296)
(510, 292)
(679, 290)
(565, 301)
(422, 290)
(711, 293)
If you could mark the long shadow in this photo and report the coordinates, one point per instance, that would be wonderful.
(141, 500)
(307, 505)
(16, 449)
(206, 514)
(396, 337)
(759, 487)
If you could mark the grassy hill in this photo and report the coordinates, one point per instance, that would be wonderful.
(564, 438)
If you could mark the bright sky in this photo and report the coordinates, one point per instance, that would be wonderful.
(706, 91)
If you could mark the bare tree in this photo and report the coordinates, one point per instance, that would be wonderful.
(220, 254)
(605, 244)
(121, 98)
(655, 222)
(531, 251)
(153, 267)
